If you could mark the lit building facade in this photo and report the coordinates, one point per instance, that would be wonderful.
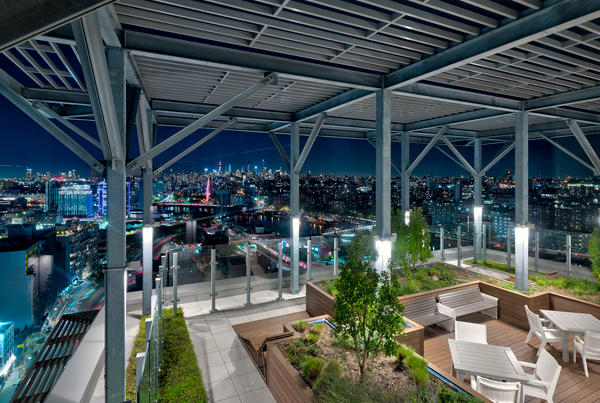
(71, 199)
(103, 198)
(7, 347)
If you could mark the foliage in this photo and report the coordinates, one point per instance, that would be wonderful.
(594, 251)
(300, 326)
(418, 369)
(312, 337)
(181, 379)
(493, 265)
(452, 396)
(298, 350)
(330, 286)
(312, 367)
(367, 308)
(439, 276)
(343, 341)
(404, 351)
(317, 328)
(138, 347)
(412, 240)
(421, 275)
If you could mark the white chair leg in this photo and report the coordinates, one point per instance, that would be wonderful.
(574, 354)
(541, 347)
(529, 336)
(585, 366)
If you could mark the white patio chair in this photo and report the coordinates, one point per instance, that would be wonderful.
(472, 332)
(589, 348)
(498, 392)
(545, 334)
(544, 379)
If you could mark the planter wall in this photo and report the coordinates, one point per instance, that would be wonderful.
(415, 336)
(563, 303)
(284, 382)
(318, 302)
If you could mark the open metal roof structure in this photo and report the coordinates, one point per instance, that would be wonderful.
(469, 64)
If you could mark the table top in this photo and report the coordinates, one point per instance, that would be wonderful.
(572, 321)
(486, 360)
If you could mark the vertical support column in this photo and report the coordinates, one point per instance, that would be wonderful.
(477, 178)
(295, 210)
(248, 274)
(404, 164)
(383, 171)
(537, 250)
(148, 239)
(335, 256)
(442, 250)
(458, 246)
(280, 272)
(521, 199)
(509, 248)
(484, 248)
(477, 219)
(115, 278)
(213, 280)
(568, 255)
(175, 267)
(477, 202)
(308, 261)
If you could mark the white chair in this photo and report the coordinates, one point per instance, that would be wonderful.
(498, 392)
(544, 379)
(589, 348)
(545, 334)
(472, 332)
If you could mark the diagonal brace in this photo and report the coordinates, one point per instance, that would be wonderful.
(569, 153)
(282, 152)
(394, 164)
(459, 156)
(48, 111)
(503, 151)
(186, 131)
(447, 154)
(198, 144)
(311, 140)
(429, 146)
(585, 144)
(40, 119)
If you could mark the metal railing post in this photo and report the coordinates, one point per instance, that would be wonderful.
(248, 274)
(335, 256)
(308, 261)
(175, 284)
(442, 252)
(484, 248)
(280, 272)
(458, 246)
(537, 250)
(508, 248)
(213, 280)
(568, 255)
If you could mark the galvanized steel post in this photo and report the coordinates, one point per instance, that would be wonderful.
(442, 251)
(248, 275)
(175, 267)
(280, 272)
(458, 246)
(537, 250)
(213, 280)
(335, 256)
(568, 255)
(308, 261)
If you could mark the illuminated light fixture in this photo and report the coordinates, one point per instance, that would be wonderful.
(407, 217)
(296, 227)
(384, 254)
(477, 214)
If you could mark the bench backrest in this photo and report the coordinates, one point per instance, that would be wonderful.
(461, 298)
(420, 308)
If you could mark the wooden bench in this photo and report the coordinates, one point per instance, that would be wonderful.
(467, 301)
(425, 312)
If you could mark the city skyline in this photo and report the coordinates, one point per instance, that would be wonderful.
(328, 155)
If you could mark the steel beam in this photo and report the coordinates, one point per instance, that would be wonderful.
(40, 119)
(547, 21)
(218, 111)
(569, 153)
(383, 197)
(132, 112)
(464, 117)
(23, 20)
(459, 156)
(585, 144)
(198, 144)
(282, 152)
(428, 147)
(50, 112)
(565, 99)
(309, 143)
(505, 150)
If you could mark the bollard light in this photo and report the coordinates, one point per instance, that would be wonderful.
(407, 217)
(296, 227)
(384, 254)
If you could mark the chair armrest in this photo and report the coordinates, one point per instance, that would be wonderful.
(489, 299)
(577, 338)
(527, 364)
(539, 383)
(446, 310)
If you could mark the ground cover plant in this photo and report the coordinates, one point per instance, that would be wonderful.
(138, 347)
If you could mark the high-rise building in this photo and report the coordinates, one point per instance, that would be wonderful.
(7, 347)
(431, 181)
(103, 198)
(29, 174)
(75, 248)
(71, 199)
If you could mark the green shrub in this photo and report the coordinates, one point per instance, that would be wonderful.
(300, 326)
(435, 272)
(404, 351)
(412, 287)
(331, 370)
(312, 367)
(421, 275)
(312, 337)
(330, 287)
(343, 341)
(317, 328)
(298, 350)
(420, 375)
(453, 396)
(138, 347)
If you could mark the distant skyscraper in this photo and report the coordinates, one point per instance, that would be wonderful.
(103, 198)
(71, 199)
(219, 166)
(431, 181)
(29, 174)
(229, 167)
(7, 345)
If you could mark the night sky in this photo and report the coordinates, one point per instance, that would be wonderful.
(27, 145)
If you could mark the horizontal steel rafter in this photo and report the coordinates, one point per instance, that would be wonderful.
(565, 99)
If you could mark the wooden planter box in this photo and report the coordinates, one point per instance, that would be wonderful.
(318, 302)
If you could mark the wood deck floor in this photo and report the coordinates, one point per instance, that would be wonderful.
(573, 386)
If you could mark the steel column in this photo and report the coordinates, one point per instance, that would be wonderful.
(175, 268)
(442, 250)
(477, 178)
(147, 243)
(335, 256)
(404, 165)
(537, 250)
(383, 168)
(458, 246)
(116, 258)
(484, 246)
(248, 275)
(508, 248)
(213, 280)
(521, 199)
(280, 272)
(568, 255)
(308, 261)
(294, 209)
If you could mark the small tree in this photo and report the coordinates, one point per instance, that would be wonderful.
(412, 241)
(366, 306)
(594, 251)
